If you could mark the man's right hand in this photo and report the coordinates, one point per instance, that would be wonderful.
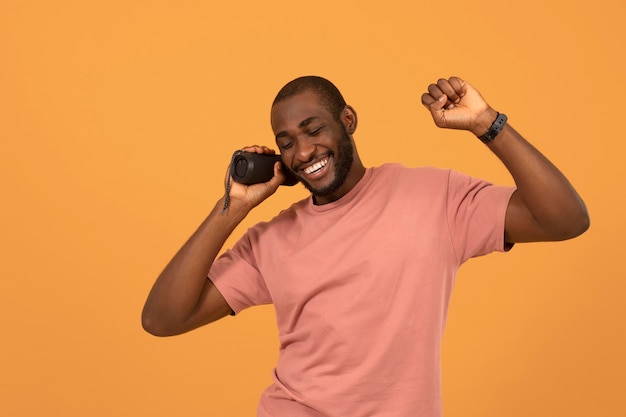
(247, 197)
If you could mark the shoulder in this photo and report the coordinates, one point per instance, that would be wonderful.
(395, 168)
(426, 176)
(282, 222)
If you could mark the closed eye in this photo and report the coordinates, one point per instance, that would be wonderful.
(285, 145)
(315, 132)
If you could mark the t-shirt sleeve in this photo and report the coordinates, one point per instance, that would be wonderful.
(476, 212)
(237, 277)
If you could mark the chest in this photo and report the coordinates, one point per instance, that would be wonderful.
(329, 267)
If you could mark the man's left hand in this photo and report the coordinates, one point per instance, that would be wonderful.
(455, 104)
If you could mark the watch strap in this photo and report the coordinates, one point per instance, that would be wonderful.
(495, 128)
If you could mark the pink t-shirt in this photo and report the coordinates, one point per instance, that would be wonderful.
(361, 289)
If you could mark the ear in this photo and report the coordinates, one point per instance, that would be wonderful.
(349, 119)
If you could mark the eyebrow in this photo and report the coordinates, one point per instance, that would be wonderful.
(302, 124)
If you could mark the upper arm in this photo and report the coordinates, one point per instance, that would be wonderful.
(211, 306)
(521, 226)
(519, 223)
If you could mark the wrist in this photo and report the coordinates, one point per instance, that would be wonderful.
(234, 209)
(494, 130)
(484, 122)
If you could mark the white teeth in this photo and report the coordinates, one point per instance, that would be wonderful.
(316, 167)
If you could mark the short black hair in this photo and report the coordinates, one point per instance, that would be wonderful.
(329, 95)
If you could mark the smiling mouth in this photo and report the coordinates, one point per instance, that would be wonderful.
(315, 167)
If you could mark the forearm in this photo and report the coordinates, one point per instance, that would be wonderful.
(175, 296)
(544, 195)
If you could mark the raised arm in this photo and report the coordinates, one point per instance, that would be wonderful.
(545, 206)
(182, 297)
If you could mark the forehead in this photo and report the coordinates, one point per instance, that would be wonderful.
(293, 110)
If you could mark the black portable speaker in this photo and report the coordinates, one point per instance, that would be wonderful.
(253, 168)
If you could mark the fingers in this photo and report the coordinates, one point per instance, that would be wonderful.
(279, 175)
(435, 105)
(256, 193)
(445, 94)
(453, 88)
(259, 149)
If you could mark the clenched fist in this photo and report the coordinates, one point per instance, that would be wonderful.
(455, 104)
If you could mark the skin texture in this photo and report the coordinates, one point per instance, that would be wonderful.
(306, 134)
(544, 207)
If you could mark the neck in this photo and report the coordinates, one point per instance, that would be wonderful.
(357, 170)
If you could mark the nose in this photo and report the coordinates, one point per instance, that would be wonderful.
(305, 150)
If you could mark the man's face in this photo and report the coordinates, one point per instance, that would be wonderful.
(314, 146)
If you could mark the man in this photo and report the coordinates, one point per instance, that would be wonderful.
(360, 273)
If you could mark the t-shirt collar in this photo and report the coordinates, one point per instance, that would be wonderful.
(348, 197)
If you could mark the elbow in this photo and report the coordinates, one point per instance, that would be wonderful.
(583, 223)
(577, 223)
(154, 325)
(150, 326)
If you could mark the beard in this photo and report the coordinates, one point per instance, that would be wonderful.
(343, 160)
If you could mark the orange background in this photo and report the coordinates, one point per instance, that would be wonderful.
(117, 121)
